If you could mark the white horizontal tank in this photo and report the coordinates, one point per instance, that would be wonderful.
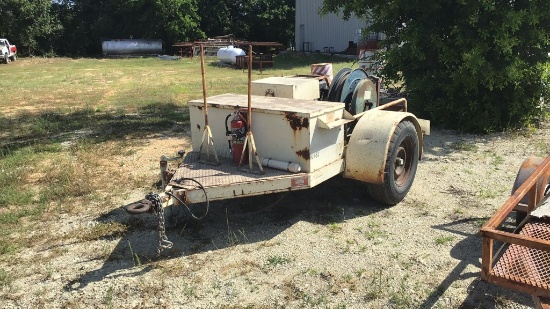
(131, 47)
(228, 54)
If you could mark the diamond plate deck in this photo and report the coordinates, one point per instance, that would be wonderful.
(224, 174)
(525, 265)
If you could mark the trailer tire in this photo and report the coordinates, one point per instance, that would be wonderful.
(13, 58)
(400, 167)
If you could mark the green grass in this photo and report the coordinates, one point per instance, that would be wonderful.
(4, 278)
(443, 240)
(464, 146)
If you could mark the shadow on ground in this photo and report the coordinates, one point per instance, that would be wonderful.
(49, 127)
(481, 294)
(293, 60)
(237, 221)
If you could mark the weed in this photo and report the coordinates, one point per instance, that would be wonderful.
(348, 278)
(334, 227)
(276, 260)
(377, 286)
(234, 238)
(5, 279)
(464, 146)
(479, 222)
(402, 298)
(487, 193)
(189, 290)
(7, 248)
(497, 160)
(135, 257)
(375, 233)
(252, 283)
(443, 240)
(108, 298)
(311, 272)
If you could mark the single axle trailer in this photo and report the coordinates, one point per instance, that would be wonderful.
(292, 144)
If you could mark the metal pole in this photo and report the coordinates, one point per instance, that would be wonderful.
(249, 120)
(204, 88)
(207, 135)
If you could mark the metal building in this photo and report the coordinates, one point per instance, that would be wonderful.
(315, 32)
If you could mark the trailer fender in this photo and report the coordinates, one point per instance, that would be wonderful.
(367, 149)
(527, 168)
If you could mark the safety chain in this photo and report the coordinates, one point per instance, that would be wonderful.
(164, 243)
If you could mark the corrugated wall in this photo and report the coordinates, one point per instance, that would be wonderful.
(315, 32)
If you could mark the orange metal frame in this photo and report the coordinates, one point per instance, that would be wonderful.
(525, 241)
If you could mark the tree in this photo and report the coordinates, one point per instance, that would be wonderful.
(254, 20)
(30, 24)
(467, 64)
(87, 22)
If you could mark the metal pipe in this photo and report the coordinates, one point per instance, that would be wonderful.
(249, 116)
(204, 88)
(393, 103)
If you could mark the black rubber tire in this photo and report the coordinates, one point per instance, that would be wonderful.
(398, 178)
(14, 57)
(140, 207)
(6, 59)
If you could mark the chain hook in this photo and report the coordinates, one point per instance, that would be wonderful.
(163, 242)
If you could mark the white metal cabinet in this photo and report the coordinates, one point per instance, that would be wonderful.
(292, 87)
(309, 133)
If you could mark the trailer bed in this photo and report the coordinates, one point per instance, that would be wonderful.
(228, 180)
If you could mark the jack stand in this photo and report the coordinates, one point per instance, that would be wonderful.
(251, 152)
(207, 135)
(207, 138)
(249, 136)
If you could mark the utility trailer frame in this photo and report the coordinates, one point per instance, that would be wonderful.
(224, 181)
(522, 263)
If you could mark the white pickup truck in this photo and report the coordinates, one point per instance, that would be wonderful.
(9, 51)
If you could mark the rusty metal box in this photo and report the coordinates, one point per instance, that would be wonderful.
(306, 132)
(292, 87)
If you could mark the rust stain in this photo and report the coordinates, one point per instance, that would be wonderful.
(304, 153)
(296, 122)
(182, 196)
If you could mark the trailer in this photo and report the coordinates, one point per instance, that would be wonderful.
(246, 145)
(519, 258)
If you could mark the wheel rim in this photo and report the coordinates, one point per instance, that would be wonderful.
(403, 162)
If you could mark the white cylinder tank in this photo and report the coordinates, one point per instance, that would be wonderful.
(228, 54)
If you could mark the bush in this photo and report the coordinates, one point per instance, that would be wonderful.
(470, 65)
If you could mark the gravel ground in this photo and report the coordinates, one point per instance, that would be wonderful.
(327, 247)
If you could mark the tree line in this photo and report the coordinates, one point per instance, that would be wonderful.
(471, 65)
(77, 27)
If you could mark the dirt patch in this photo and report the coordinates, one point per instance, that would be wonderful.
(330, 246)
